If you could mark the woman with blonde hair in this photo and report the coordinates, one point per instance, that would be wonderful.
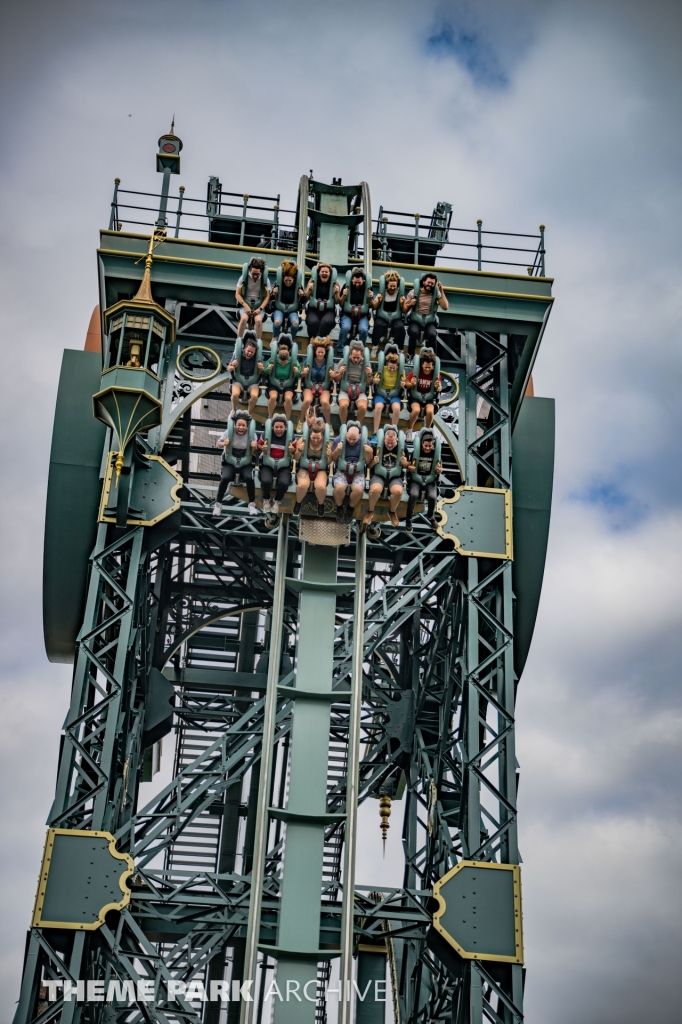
(389, 307)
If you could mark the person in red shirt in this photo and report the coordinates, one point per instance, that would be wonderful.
(425, 387)
(280, 474)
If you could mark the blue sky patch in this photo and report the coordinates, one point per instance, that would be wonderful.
(471, 50)
(624, 509)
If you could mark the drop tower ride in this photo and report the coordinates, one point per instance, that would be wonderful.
(302, 665)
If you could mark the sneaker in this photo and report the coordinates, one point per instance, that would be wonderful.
(275, 507)
(434, 522)
(217, 509)
(409, 436)
(297, 508)
(394, 519)
(408, 525)
(253, 511)
(372, 439)
(320, 510)
(267, 505)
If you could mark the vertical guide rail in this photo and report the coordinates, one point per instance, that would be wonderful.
(367, 229)
(302, 240)
(352, 786)
(262, 820)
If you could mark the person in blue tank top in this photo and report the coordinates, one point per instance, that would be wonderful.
(316, 381)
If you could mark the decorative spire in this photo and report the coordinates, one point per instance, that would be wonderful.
(385, 813)
(172, 131)
(144, 292)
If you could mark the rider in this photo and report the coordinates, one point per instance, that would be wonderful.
(388, 381)
(287, 294)
(253, 294)
(321, 293)
(355, 298)
(425, 383)
(353, 373)
(276, 449)
(387, 472)
(316, 378)
(312, 457)
(423, 302)
(283, 369)
(349, 453)
(238, 443)
(389, 307)
(246, 368)
(423, 472)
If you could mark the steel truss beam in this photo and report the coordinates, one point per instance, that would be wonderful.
(438, 713)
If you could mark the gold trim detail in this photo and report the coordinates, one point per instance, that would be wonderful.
(518, 923)
(455, 381)
(37, 920)
(508, 532)
(106, 490)
(200, 348)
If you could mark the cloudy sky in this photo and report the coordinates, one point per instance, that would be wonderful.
(521, 113)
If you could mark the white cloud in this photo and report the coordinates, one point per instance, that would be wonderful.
(582, 139)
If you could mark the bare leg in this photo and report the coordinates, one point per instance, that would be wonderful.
(339, 494)
(302, 484)
(243, 321)
(378, 410)
(272, 402)
(396, 493)
(288, 403)
(374, 495)
(343, 409)
(253, 398)
(320, 486)
(395, 413)
(235, 396)
(356, 493)
(258, 324)
(362, 410)
(414, 413)
(428, 418)
(325, 406)
(305, 404)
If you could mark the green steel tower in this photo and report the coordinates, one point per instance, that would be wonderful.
(296, 664)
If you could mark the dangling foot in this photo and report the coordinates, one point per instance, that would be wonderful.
(297, 508)
(408, 525)
(267, 505)
(217, 509)
(409, 436)
(275, 507)
(368, 517)
(253, 511)
(434, 521)
(320, 509)
(394, 519)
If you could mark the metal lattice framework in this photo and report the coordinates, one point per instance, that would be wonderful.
(206, 601)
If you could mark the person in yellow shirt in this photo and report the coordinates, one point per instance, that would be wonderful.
(387, 385)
